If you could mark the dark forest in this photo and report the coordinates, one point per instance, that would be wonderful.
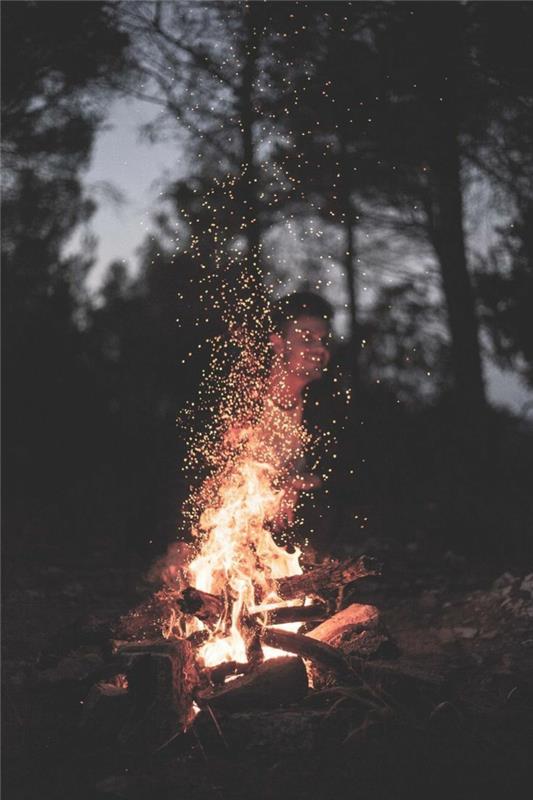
(330, 147)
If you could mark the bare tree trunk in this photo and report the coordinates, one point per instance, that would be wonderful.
(448, 239)
(249, 168)
(447, 44)
(348, 214)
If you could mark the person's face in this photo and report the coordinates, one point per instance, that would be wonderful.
(304, 347)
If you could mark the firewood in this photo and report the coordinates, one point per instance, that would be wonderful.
(304, 646)
(122, 648)
(404, 681)
(161, 687)
(283, 614)
(353, 619)
(251, 633)
(328, 578)
(275, 683)
(357, 630)
(207, 607)
(217, 675)
(150, 618)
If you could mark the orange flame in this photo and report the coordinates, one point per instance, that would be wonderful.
(238, 558)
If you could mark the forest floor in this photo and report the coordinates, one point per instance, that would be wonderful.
(468, 623)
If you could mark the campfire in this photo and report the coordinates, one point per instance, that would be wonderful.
(233, 612)
(239, 623)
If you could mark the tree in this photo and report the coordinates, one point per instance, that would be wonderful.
(198, 65)
(55, 58)
(447, 91)
(505, 286)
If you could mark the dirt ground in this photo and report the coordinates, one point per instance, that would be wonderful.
(470, 735)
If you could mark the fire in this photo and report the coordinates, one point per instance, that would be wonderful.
(238, 558)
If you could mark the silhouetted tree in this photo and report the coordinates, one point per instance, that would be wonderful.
(55, 57)
(444, 98)
(505, 286)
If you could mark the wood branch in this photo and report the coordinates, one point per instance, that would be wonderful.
(147, 620)
(357, 631)
(351, 620)
(122, 648)
(330, 577)
(217, 675)
(304, 646)
(283, 614)
(207, 607)
(200, 57)
(250, 630)
(161, 686)
(277, 682)
(404, 681)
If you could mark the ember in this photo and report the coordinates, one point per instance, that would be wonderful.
(233, 605)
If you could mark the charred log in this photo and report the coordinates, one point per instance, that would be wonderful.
(150, 618)
(207, 607)
(329, 578)
(354, 619)
(304, 646)
(217, 675)
(251, 633)
(275, 683)
(284, 614)
(161, 687)
(357, 630)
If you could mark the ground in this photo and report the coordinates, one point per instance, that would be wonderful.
(468, 625)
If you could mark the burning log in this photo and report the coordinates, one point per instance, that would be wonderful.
(283, 614)
(326, 579)
(251, 634)
(329, 578)
(148, 619)
(302, 645)
(207, 607)
(354, 619)
(357, 630)
(274, 683)
(217, 675)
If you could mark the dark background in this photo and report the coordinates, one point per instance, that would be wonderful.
(397, 140)
(415, 104)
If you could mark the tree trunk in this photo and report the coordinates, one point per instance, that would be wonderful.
(448, 240)
(445, 40)
(249, 176)
(348, 215)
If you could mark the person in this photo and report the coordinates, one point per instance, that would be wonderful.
(300, 341)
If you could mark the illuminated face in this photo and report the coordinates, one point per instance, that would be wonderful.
(304, 347)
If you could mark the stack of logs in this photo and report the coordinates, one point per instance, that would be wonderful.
(161, 686)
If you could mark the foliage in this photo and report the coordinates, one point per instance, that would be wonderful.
(292, 115)
(505, 285)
